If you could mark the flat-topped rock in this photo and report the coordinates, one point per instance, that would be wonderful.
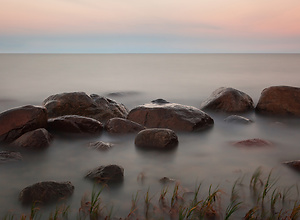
(279, 100)
(170, 115)
(228, 100)
(122, 126)
(255, 142)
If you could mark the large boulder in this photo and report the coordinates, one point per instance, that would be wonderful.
(75, 124)
(122, 126)
(18, 121)
(34, 140)
(156, 138)
(170, 115)
(107, 174)
(280, 100)
(45, 192)
(79, 103)
(6, 156)
(228, 100)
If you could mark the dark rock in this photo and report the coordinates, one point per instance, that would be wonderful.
(228, 100)
(35, 140)
(18, 121)
(166, 180)
(171, 115)
(107, 174)
(122, 126)
(279, 100)
(45, 192)
(253, 143)
(6, 156)
(79, 103)
(237, 119)
(159, 101)
(156, 138)
(295, 164)
(75, 124)
(100, 145)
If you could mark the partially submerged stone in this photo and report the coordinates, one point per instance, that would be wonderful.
(17, 121)
(122, 126)
(107, 174)
(100, 145)
(166, 180)
(237, 119)
(79, 103)
(170, 115)
(45, 192)
(295, 164)
(279, 100)
(6, 156)
(256, 142)
(156, 138)
(228, 100)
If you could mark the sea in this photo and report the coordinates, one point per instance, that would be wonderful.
(206, 157)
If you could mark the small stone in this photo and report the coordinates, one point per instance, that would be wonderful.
(107, 174)
(6, 156)
(295, 164)
(237, 119)
(166, 180)
(100, 145)
(256, 142)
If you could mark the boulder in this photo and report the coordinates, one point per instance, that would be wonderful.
(295, 164)
(256, 142)
(100, 145)
(6, 156)
(75, 124)
(45, 192)
(34, 140)
(122, 126)
(279, 100)
(228, 100)
(237, 119)
(170, 115)
(18, 121)
(79, 103)
(107, 174)
(156, 138)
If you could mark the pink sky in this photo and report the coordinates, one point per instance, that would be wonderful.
(222, 22)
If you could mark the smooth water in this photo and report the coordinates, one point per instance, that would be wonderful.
(137, 79)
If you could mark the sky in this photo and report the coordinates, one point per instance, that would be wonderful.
(152, 26)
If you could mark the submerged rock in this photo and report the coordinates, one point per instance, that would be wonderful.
(256, 142)
(6, 156)
(156, 138)
(122, 126)
(166, 180)
(100, 145)
(279, 100)
(79, 103)
(228, 100)
(44, 192)
(295, 164)
(171, 115)
(107, 174)
(34, 140)
(18, 121)
(237, 119)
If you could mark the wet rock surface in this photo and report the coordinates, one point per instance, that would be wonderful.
(236, 119)
(45, 192)
(279, 100)
(228, 100)
(34, 140)
(100, 145)
(122, 126)
(156, 138)
(255, 142)
(295, 164)
(79, 103)
(170, 115)
(17, 121)
(7, 156)
(75, 124)
(107, 174)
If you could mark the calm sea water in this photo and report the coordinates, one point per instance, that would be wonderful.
(187, 79)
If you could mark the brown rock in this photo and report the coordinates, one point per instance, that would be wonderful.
(171, 115)
(18, 121)
(6, 156)
(107, 174)
(46, 192)
(256, 142)
(237, 119)
(156, 138)
(295, 164)
(228, 100)
(280, 100)
(79, 103)
(35, 140)
(122, 126)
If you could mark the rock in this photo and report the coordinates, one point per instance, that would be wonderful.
(279, 100)
(228, 100)
(171, 115)
(35, 140)
(6, 156)
(122, 126)
(253, 143)
(107, 174)
(45, 192)
(166, 180)
(159, 101)
(237, 119)
(100, 145)
(156, 138)
(295, 164)
(79, 103)
(18, 121)
(75, 124)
